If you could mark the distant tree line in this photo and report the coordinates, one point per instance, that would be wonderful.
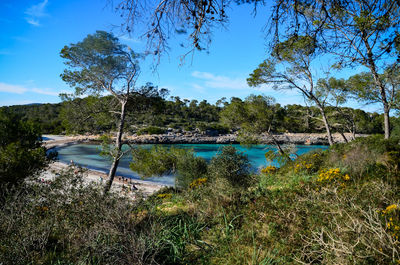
(93, 115)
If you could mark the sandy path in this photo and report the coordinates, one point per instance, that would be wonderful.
(120, 184)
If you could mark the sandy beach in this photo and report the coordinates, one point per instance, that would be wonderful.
(120, 184)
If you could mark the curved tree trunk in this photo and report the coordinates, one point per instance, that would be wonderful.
(278, 146)
(344, 137)
(118, 145)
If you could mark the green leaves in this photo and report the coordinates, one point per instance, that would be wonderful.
(363, 87)
(157, 161)
(160, 161)
(21, 154)
(254, 115)
(294, 48)
(262, 74)
(97, 63)
(231, 165)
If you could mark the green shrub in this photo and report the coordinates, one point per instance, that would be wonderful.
(231, 165)
(156, 161)
(150, 130)
(221, 129)
(180, 239)
(189, 168)
(366, 157)
(21, 153)
(161, 161)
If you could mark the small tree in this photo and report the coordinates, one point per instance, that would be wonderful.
(363, 88)
(162, 161)
(231, 165)
(101, 64)
(253, 116)
(294, 57)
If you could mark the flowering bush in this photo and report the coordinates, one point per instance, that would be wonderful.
(303, 166)
(392, 218)
(310, 165)
(332, 174)
(164, 195)
(269, 170)
(197, 183)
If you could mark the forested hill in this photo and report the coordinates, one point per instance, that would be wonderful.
(93, 115)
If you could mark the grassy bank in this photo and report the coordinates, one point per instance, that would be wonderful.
(340, 206)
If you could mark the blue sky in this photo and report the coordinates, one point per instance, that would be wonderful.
(34, 32)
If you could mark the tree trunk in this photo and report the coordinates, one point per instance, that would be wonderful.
(387, 121)
(372, 67)
(353, 127)
(385, 104)
(118, 145)
(278, 146)
(344, 137)
(308, 120)
(327, 127)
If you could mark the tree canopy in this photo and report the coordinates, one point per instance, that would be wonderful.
(21, 153)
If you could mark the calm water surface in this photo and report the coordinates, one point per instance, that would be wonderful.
(87, 155)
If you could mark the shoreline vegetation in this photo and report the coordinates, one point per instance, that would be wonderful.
(122, 185)
(147, 187)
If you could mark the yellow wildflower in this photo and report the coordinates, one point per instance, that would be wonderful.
(269, 170)
(390, 209)
(197, 183)
(164, 195)
(328, 175)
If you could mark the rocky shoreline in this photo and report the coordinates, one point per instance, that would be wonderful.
(196, 138)
(285, 138)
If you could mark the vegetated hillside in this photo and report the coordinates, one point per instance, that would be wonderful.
(339, 206)
(95, 115)
(45, 115)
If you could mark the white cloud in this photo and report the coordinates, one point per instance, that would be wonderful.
(212, 82)
(33, 22)
(128, 39)
(12, 88)
(18, 89)
(45, 91)
(35, 12)
(219, 81)
(198, 88)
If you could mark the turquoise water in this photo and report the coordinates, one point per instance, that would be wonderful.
(87, 155)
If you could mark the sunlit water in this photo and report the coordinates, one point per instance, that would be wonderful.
(87, 155)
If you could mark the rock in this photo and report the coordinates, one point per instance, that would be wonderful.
(196, 138)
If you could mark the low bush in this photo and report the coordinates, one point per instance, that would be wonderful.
(70, 222)
(231, 165)
(161, 161)
(21, 153)
(150, 130)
